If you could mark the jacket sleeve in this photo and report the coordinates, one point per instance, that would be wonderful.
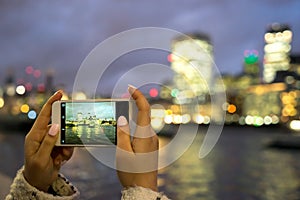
(61, 189)
(138, 193)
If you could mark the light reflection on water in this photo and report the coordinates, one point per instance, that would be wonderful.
(90, 135)
(239, 167)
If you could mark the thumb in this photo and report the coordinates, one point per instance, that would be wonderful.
(123, 134)
(48, 142)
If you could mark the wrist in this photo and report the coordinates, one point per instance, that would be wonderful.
(149, 186)
(149, 182)
(44, 188)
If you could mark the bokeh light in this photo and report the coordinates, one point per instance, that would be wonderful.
(1, 102)
(267, 120)
(153, 92)
(28, 86)
(20, 89)
(10, 90)
(24, 108)
(29, 70)
(79, 96)
(231, 108)
(37, 73)
(32, 114)
(168, 119)
(295, 125)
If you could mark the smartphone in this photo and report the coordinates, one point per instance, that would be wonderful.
(89, 122)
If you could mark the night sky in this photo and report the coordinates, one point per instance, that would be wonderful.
(60, 34)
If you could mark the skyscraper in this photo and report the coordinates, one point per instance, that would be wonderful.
(191, 60)
(251, 65)
(49, 81)
(277, 48)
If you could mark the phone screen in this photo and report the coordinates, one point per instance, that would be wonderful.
(91, 123)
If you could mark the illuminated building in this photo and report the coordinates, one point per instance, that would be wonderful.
(22, 98)
(262, 104)
(192, 61)
(236, 86)
(291, 98)
(251, 65)
(187, 98)
(277, 48)
(295, 67)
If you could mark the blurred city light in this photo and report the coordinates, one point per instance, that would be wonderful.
(77, 96)
(20, 89)
(37, 73)
(170, 59)
(275, 119)
(157, 118)
(295, 125)
(10, 90)
(41, 87)
(231, 108)
(258, 121)
(153, 92)
(254, 97)
(267, 120)
(29, 70)
(206, 120)
(28, 86)
(174, 92)
(199, 119)
(186, 118)
(1, 102)
(251, 57)
(168, 119)
(24, 108)
(66, 97)
(32, 114)
(278, 38)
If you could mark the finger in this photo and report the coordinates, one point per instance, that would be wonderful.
(45, 113)
(143, 116)
(58, 160)
(123, 134)
(67, 152)
(48, 143)
(124, 152)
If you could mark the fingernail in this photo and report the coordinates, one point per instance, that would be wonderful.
(53, 129)
(131, 88)
(57, 92)
(122, 121)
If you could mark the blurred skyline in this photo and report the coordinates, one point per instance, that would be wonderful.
(59, 35)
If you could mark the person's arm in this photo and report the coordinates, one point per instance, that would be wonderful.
(137, 159)
(39, 178)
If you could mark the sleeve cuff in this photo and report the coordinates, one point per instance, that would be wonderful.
(137, 193)
(21, 189)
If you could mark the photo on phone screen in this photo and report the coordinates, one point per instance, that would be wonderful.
(91, 123)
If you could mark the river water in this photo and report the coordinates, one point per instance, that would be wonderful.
(239, 167)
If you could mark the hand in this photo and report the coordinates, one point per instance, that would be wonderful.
(42, 159)
(137, 160)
